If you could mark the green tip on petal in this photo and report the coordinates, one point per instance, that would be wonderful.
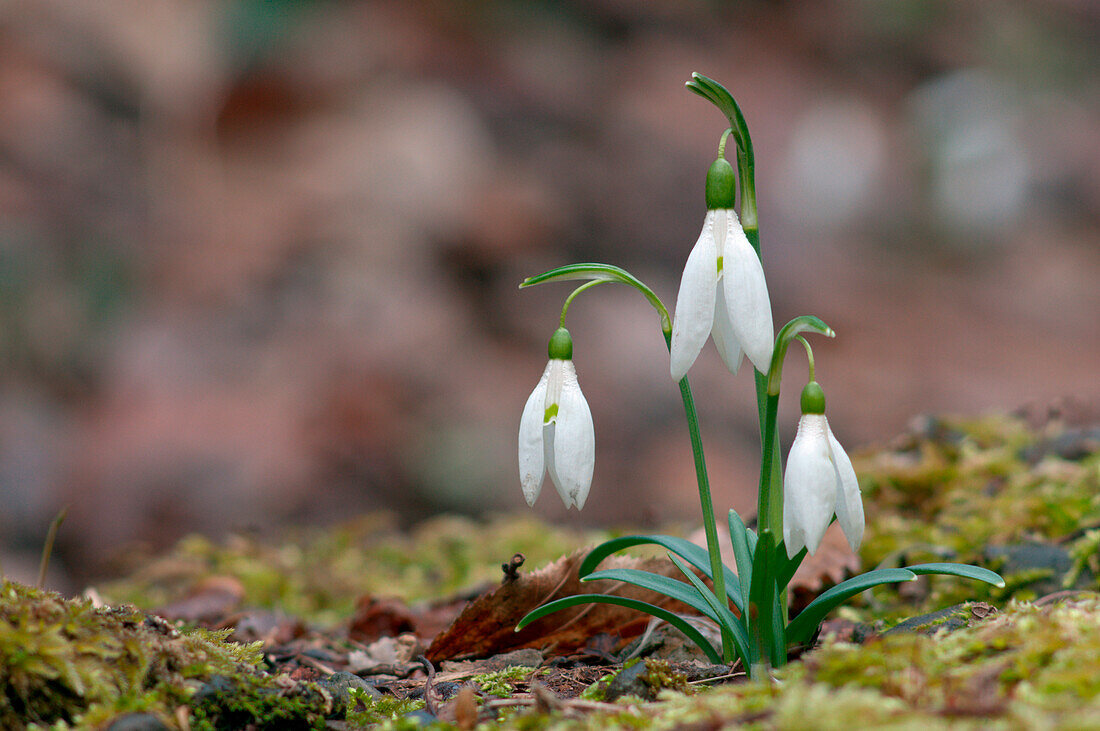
(561, 345)
(813, 399)
(721, 185)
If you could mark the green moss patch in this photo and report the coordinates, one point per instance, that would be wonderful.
(318, 574)
(67, 662)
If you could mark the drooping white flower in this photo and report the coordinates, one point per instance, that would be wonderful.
(722, 294)
(819, 481)
(556, 433)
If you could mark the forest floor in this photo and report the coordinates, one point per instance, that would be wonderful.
(365, 624)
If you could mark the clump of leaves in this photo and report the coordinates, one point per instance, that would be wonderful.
(68, 662)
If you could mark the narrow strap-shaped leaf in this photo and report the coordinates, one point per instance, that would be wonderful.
(742, 551)
(671, 588)
(959, 569)
(762, 600)
(595, 271)
(725, 616)
(779, 631)
(802, 627)
(695, 555)
(787, 566)
(675, 620)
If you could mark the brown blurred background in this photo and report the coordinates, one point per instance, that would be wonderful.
(258, 260)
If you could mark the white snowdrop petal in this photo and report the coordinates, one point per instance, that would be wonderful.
(724, 337)
(531, 453)
(694, 316)
(574, 448)
(746, 291)
(809, 486)
(849, 502)
(555, 377)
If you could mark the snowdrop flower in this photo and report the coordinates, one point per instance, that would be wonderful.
(555, 432)
(819, 482)
(723, 293)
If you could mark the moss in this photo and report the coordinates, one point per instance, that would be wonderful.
(958, 486)
(384, 713)
(660, 676)
(225, 703)
(317, 574)
(68, 662)
(502, 682)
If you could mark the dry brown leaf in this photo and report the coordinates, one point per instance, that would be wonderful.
(486, 626)
(209, 602)
(380, 617)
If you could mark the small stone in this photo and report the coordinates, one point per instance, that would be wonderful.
(629, 682)
(529, 658)
(216, 687)
(339, 686)
(950, 619)
(421, 716)
(137, 722)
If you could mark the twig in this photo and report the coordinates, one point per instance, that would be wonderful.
(511, 569)
(47, 549)
(315, 664)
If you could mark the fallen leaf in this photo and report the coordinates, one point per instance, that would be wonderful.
(486, 626)
(208, 603)
(380, 617)
(385, 655)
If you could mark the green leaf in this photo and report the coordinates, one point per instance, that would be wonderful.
(762, 597)
(695, 555)
(742, 550)
(779, 632)
(724, 616)
(671, 588)
(787, 566)
(794, 328)
(720, 97)
(675, 620)
(594, 271)
(959, 569)
(802, 627)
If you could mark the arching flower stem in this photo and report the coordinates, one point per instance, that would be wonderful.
(597, 274)
(573, 296)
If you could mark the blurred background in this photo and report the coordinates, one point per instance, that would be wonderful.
(259, 259)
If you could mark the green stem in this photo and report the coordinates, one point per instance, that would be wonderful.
(597, 273)
(809, 356)
(722, 142)
(706, 504)
(770, 501)
(573, 296)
